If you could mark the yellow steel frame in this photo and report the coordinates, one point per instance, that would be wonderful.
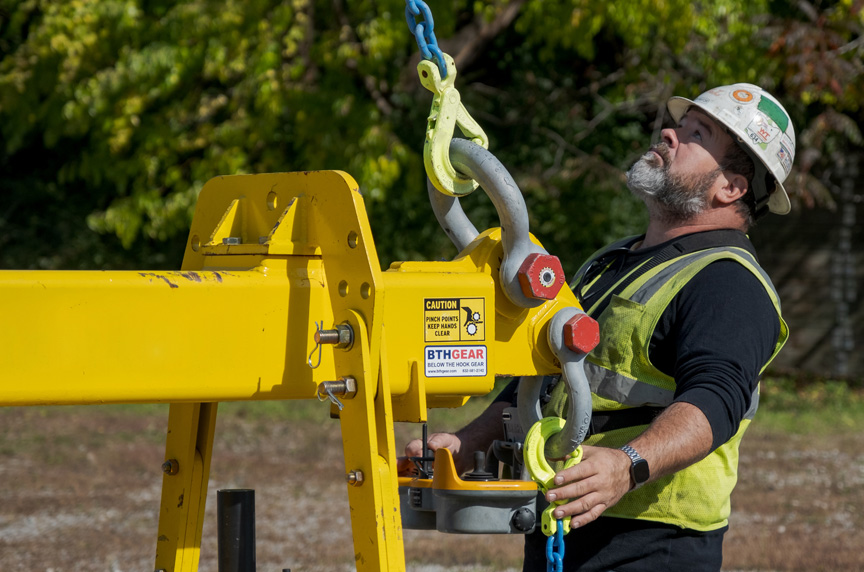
(268, 256)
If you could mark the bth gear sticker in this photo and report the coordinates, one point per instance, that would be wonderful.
(454, 319)
(455, 361)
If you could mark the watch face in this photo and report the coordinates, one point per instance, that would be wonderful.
(640, 471)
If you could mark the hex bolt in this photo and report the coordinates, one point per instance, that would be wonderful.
(232, 240)
(342, 336)
(354, 478)
(581, 333)
(541, 276)
(344, 387)
(171, 467)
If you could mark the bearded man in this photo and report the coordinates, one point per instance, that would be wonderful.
(688, 322)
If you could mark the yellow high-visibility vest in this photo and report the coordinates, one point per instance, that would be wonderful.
(621, 376)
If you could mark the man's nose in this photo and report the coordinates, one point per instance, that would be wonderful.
(669, 137)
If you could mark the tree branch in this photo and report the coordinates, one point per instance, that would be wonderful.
(369, 82)
(470, 41)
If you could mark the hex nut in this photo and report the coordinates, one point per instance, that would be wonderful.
(541, 276)
(350, 386)
(354, 478)
(581, 333)
(171, 467)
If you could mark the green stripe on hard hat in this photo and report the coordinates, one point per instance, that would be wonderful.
(773, 111)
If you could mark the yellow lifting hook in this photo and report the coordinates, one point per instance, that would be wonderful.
(447, 112)
(537, 465)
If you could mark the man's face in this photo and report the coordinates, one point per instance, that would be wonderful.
(679, 174)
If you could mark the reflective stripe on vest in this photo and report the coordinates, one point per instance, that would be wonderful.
(630, 392)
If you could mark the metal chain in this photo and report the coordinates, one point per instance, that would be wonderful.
(424, 32)
(555, 550)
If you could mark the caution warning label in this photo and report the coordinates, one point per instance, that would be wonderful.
(455, 361)
(454, 319)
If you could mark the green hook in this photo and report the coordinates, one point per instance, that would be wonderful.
(447, 112)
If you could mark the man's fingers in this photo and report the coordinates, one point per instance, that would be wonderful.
(444, 440)
(569, 491)
(582, 510)
(577, 506)
(414, 448)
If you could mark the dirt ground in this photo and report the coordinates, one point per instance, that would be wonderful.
(81, 489)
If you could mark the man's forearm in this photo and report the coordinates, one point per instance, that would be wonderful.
(679, 437)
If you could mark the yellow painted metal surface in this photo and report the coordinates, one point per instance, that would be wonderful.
(100, 337)
(369, 447)
(189, 444)
(268, 256)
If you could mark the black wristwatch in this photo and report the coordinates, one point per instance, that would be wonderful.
(639, 471)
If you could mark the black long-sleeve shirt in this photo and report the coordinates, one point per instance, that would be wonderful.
(713, 339)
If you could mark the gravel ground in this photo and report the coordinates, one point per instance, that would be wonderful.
(82, 487)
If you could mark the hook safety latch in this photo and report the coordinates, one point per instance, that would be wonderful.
(447, 113)
(534, 453)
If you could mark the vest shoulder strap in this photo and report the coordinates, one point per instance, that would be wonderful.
(689, 244)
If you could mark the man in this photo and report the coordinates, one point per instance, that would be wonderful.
(688, 322)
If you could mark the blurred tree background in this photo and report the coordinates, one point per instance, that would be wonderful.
(114, 113)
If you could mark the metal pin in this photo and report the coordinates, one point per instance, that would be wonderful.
(344, 387)
(342, 336)
(318, 326)
(329, 394)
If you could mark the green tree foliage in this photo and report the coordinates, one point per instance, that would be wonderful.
(113, 113)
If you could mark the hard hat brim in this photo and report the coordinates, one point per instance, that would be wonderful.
(778, 201)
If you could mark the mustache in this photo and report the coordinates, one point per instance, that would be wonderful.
(662, 149)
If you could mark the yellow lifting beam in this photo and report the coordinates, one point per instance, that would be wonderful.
(268, 257)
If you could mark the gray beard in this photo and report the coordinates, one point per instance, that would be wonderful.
(680, 198)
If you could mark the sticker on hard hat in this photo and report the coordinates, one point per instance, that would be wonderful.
(785, 158)
(742, 96)
(762, 130)
(455, 361)
(454, 319)
(772, 110)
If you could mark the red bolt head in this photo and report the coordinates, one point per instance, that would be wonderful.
(541, 276)
(581, 333)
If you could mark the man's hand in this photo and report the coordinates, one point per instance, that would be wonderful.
(595, 484)
(476, 436)
(436, 441)
(678, 437)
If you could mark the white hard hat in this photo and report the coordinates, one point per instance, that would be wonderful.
(762, 127)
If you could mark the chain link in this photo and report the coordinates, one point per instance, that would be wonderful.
(424, 32)
(555, 550)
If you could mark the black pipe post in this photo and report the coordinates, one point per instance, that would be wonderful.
(235, 512)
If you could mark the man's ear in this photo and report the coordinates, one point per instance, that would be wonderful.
(734, 187)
